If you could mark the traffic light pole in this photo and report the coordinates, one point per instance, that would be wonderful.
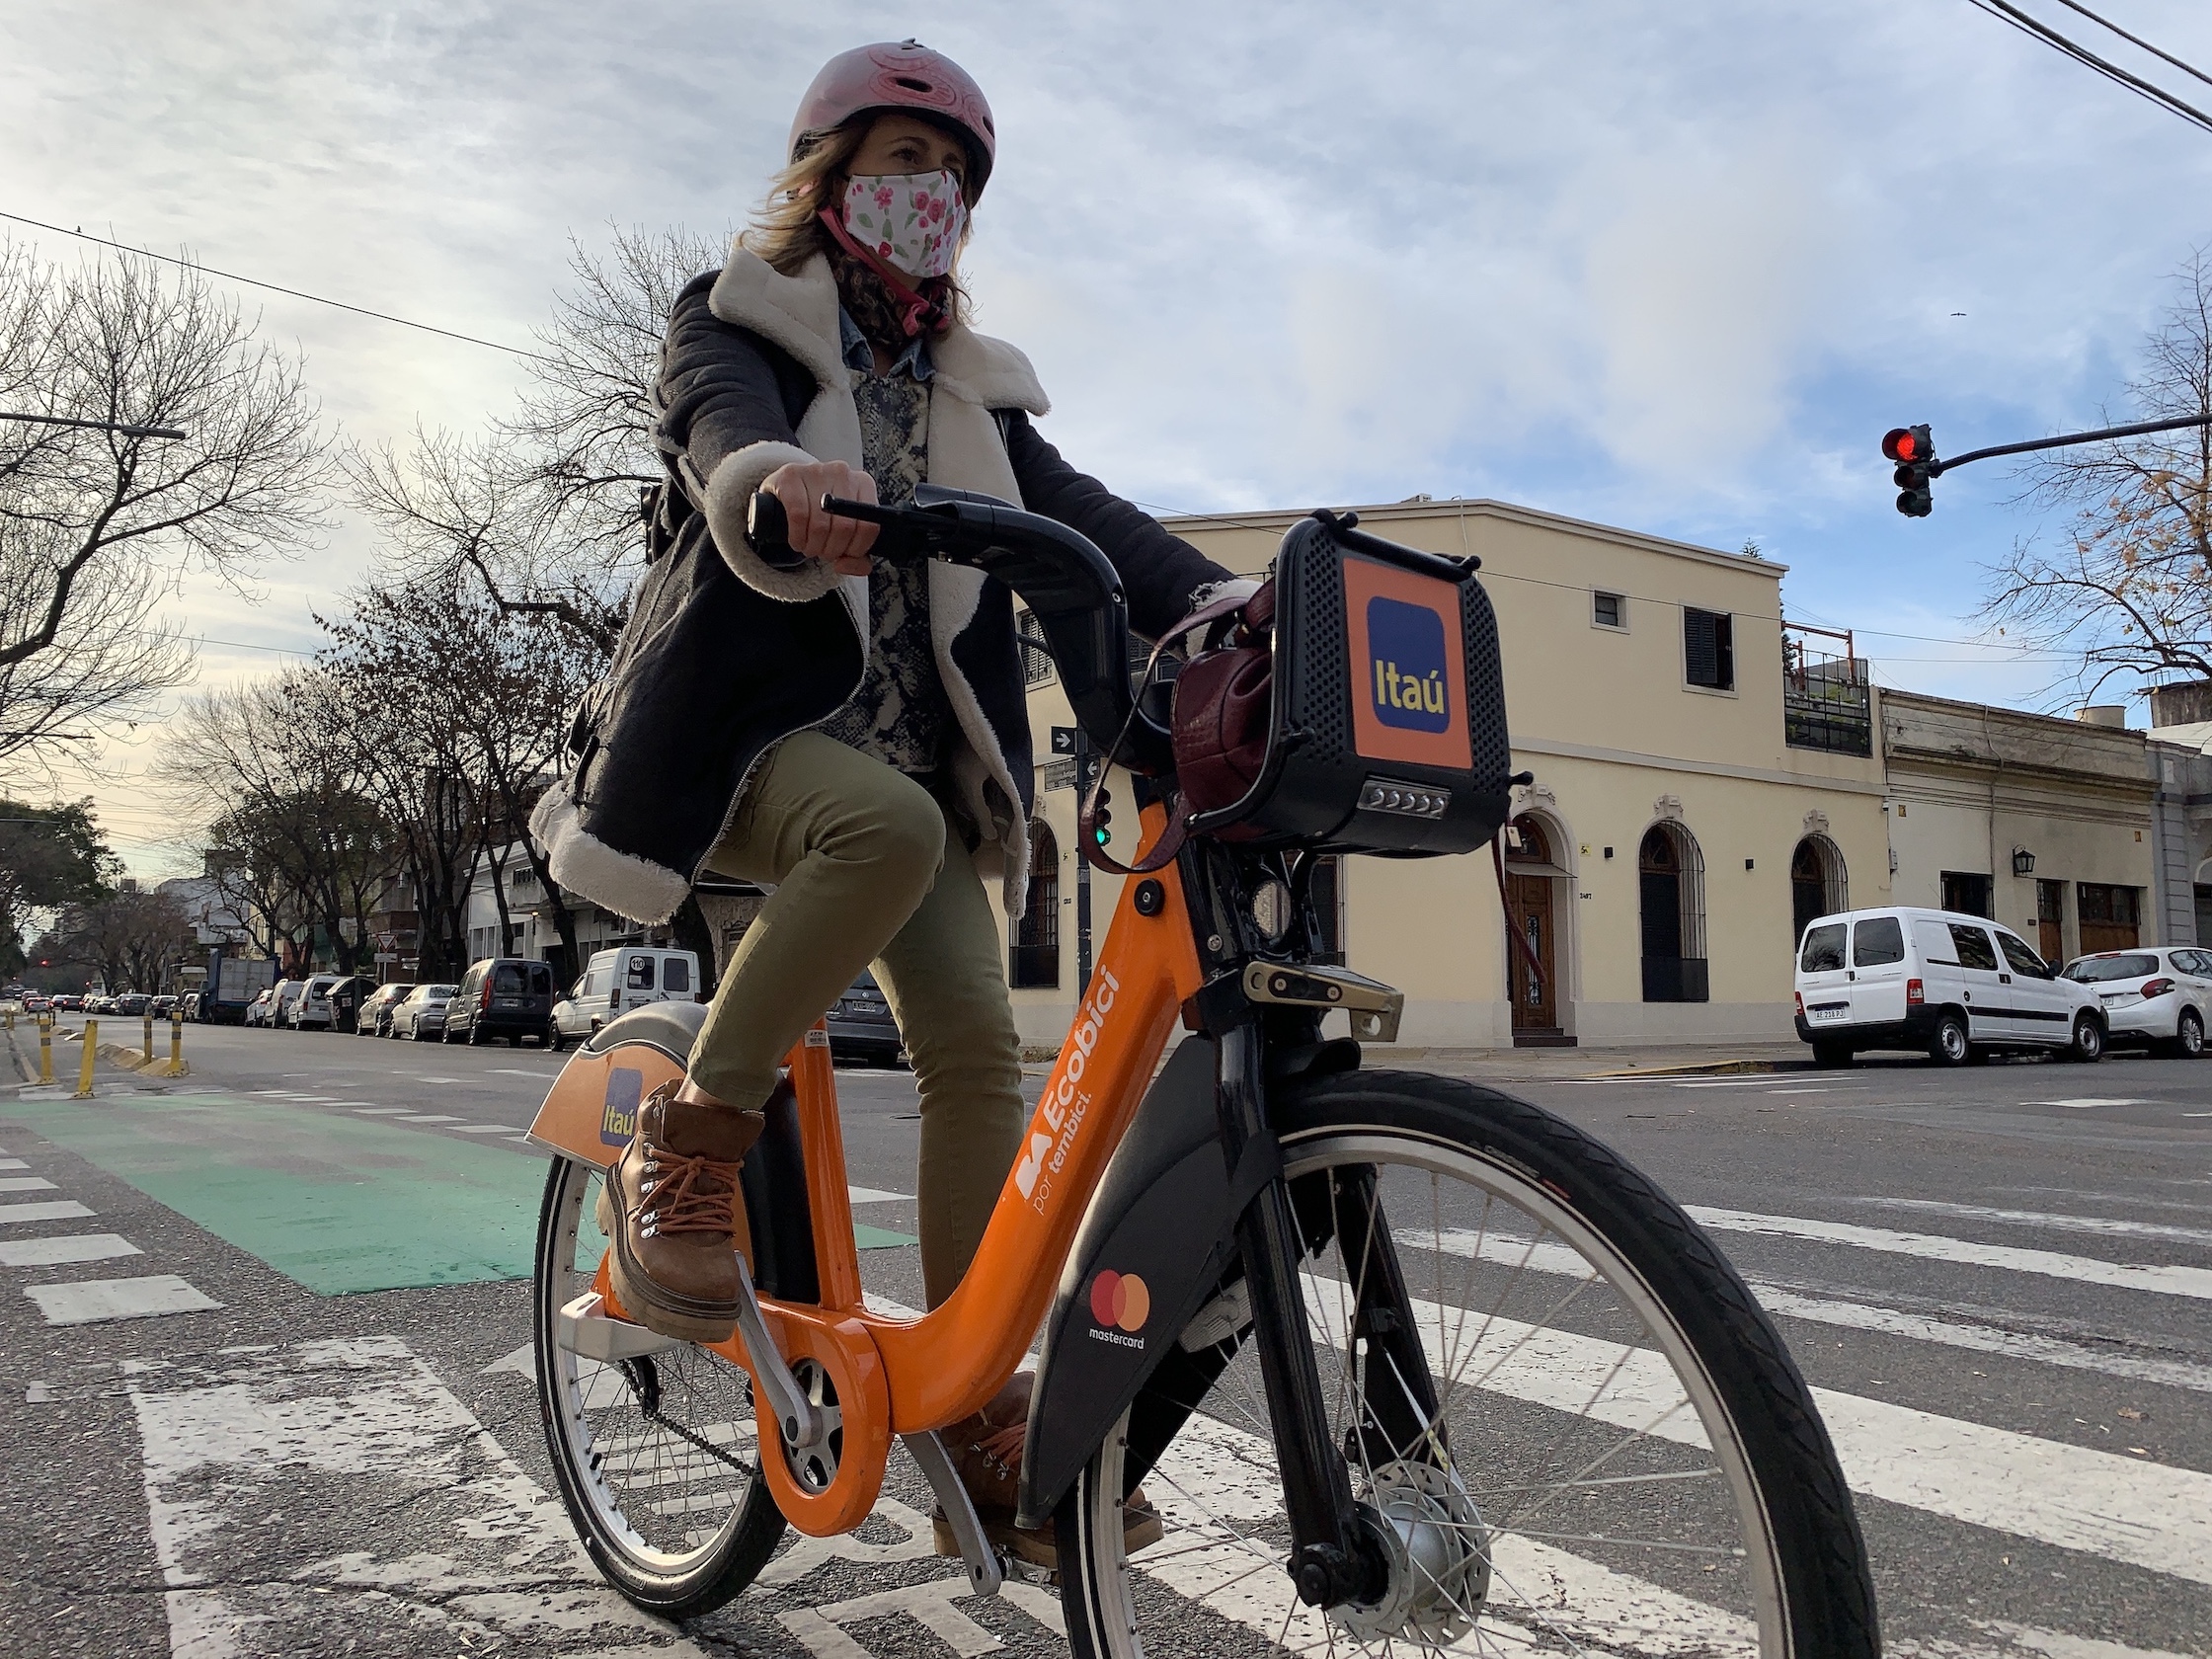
(1082, 872)
(1936, 469)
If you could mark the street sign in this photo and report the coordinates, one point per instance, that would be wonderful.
(1064, 739)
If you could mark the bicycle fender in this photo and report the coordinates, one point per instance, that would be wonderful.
(1151, 1252)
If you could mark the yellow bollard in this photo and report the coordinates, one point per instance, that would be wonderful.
(148, 1051)
(176, 1045)
(92, 1053)
(45, 1048)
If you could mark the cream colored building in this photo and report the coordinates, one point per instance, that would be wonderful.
(2043, 824)
(1688, 811)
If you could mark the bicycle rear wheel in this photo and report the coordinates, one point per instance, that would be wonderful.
(1622, 1457)
(654, 1456)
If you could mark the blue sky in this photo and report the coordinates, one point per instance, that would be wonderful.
(1673, 268)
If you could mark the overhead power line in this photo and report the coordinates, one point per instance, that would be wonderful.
(2006, 11)
(2137, 40)
(277, 287)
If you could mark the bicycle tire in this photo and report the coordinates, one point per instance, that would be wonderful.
(581, 1409)
(1811, 1596)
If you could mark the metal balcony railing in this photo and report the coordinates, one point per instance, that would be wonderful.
(1827, 702)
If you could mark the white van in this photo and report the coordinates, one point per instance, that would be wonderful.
(615, 981)
(1957, 988)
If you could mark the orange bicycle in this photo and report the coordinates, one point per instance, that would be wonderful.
(1399, 1359)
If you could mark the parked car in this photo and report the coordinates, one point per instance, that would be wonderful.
(508, 996)
(374, 1018)
(188, 1006)
(34, 1003)
(1958, 987)
(2156, 998)
(861, 1027)
(68, 1003)
(310, 1010)
(628, 976)
(421, 1013)
(289, 994)
(259, 1009)
(133, 1003)
(164, 1005)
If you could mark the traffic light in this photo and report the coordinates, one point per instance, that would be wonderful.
(1101, 823)
(1913, 451)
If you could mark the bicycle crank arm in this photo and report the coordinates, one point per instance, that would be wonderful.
(801, 1423)
(985, 1576)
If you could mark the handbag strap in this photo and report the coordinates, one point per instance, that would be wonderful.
(1178, 829)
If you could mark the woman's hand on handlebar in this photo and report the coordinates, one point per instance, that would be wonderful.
(842, 542)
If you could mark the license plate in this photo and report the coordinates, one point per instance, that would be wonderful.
(1827, 1016)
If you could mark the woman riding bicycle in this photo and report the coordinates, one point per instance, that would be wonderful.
(850, 733)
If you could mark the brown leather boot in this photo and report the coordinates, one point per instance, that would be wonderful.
(668, 1205)
(985, 1450)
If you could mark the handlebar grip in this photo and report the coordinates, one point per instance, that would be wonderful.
(769, 529)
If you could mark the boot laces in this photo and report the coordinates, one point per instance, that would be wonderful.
(689, 1194)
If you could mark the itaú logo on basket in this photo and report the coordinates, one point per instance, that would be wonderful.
(1407, 661)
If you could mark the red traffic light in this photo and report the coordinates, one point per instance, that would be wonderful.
(1907, 444)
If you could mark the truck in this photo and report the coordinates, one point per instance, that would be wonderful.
(233, 982)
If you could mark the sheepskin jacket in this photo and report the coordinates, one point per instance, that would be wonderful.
(724, 653)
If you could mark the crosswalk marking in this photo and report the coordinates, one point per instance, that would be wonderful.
(2124, 1509)
(96, 1299)
(875, 1195)
(381, 1111)
(62, 1210)
(231, 1444)
(2105, 1224)
(483, 1128)
(2195, 1282)
(13, 1163)
(425, 1118)
(25, 1183)
(1544, 1256)
(79, 1247)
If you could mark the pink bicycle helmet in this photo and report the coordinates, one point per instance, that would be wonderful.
(905, 76)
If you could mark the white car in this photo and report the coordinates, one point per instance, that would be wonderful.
(628, 976)
(2157, 996)
(1957, 988)
(312, 1010)
(289, 994)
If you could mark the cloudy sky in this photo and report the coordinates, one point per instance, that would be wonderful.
(1668, 267)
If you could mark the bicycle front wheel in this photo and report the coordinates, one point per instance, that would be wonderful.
(656, 1455)
(1620, 1453)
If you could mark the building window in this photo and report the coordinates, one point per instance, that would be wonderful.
(1709, 649)
(1036, 661)
(2112, 917)
(1966, 892)
(1035, 954)
(1670, 883)
(1608, 610)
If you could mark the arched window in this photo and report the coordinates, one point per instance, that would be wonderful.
(1671, 876)
(1818, 885)
(1035, 954)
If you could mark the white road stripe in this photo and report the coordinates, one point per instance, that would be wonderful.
(1546, 1256)
(2042, 1219)
(13, 1163)
(381, 1111)
(2194, 1282)
(25, 1183)
(487, 1561)
(65, 1209)
(2121, 1508)
(96, 1299)
(483, 1128)
(875, 1195)
(2081, 1103)
(426, 1118)
(79, 1247)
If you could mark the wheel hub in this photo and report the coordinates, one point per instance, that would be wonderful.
(1438, 1552)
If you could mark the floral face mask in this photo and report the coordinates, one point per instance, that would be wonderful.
(909, 220)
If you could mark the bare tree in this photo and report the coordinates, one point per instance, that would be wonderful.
(2131, 590)
(96, 526)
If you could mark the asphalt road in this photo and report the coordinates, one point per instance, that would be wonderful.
(326, 1237)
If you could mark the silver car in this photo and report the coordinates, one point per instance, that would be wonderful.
(422, 1014)
(2159, 997)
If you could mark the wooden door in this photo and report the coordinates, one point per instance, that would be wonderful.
(1535, 998)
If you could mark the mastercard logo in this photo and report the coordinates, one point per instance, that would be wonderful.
(1120, 1299)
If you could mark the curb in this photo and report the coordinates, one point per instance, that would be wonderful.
(1717, 1068)
(23, 1068)
(134, 1060)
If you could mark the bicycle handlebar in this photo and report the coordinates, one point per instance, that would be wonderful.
(1068, 584)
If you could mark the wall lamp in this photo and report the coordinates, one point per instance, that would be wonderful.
(2024, 862)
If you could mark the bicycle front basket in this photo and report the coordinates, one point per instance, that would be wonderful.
(1386, 731)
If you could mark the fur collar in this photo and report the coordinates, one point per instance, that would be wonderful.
(799, 314)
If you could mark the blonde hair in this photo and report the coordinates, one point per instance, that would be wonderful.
(787, 230)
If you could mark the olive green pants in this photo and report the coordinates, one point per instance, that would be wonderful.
(866, 869)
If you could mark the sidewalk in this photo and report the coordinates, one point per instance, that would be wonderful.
(1536, 1065)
